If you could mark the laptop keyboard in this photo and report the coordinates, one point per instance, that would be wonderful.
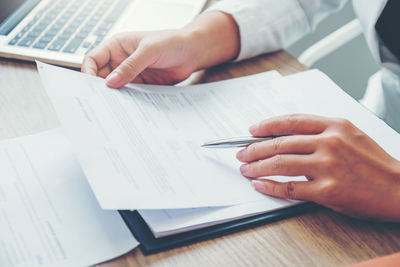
(70, 26)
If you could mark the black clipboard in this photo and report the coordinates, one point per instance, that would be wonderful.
(150, 245)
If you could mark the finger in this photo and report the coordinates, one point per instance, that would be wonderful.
(138, 79)
(296, 144)
(291, 190)
(131, 68)
(283, 165)
(95, 60)
(89, 66)
(105, 71)
(290, 124)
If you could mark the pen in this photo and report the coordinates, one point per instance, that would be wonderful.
(236, 142)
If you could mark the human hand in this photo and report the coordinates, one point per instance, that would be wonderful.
(165, 57)
(161, 57)
(346, 170)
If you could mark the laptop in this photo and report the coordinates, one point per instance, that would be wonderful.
(62, 31)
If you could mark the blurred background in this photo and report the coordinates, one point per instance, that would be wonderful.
(351, 65)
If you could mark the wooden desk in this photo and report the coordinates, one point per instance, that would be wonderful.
(319, 238)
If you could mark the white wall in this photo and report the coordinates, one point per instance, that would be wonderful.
(351, 65)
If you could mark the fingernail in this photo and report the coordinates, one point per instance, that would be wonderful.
(113, 79)
(240, 154)
(258, 185)
(244, 168)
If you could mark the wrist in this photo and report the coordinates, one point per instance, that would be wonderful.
(195, 45)
(213, 38)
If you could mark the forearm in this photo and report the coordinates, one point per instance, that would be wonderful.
(213, 39)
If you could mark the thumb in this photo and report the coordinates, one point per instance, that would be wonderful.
(130, 68)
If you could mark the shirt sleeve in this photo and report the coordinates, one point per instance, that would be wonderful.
(271, 25)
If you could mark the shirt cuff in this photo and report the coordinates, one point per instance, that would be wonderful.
(264, 25)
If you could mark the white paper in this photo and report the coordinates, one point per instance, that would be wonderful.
(140, 147)
(314, 94)
(48, 214)
(174, 221)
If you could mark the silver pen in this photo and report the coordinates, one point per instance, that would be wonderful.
(236, 142)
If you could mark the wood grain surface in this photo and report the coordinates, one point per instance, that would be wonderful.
(318, 238)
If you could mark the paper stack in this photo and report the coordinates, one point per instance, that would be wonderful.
(139, 148)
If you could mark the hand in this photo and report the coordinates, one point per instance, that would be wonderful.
(165, 57)
(346, 170)
(155, 57)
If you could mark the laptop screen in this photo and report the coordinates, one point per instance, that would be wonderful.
(7, 7)
(12, 12)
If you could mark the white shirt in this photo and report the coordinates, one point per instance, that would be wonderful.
(271, 25)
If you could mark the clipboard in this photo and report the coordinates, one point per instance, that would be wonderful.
(150, 245)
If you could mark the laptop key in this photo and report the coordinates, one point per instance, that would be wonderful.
(87, 28)
(57, 45)
(34, 34)
(70, 29)
(116, 11)
(40, 27)
(19, 35)
(65, 35)
(81, 35)
(40, 45)
(49, 34)
(105, 26)
(86, 44)
(51, 15)
(57, 27)
(26, 28)
(73, 45)
(27, 42)
(101, 32)
(52, 32)
(14, 41)
(46, 38)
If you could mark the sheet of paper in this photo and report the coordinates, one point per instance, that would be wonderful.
(174, 221)
(140, 147)
(318, 95)
(48, 213)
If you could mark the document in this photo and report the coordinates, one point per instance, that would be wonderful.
(174, 221)
(140, 146)
(318, 95)
(48, 213)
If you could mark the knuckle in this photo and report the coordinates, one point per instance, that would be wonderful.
(328, 189)
(276, 163)
(290, 120)
(254, 170)
(147, 47)
(252, 150)
(342, 124)
(332, 141)
(274, 189)
(293, 121)
(290, 190)
(276, 145)
(328, 163)
(128, 67)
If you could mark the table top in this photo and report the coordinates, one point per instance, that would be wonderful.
(318, 238)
